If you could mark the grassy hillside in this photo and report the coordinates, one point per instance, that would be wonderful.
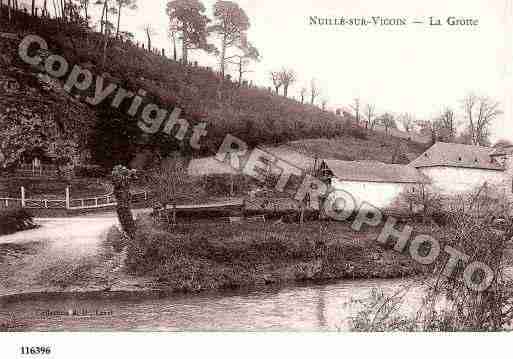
(376, 147)
(250, 113)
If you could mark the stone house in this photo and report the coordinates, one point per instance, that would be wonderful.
(446, 168)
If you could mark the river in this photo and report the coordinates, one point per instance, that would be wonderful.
(300, 308)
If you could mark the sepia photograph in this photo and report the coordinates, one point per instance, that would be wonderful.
(255, 166)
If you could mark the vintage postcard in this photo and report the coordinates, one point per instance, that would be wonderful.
(255, 166)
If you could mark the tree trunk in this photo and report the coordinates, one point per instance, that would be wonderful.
(63, 11)
(33, 7)
(105, 43)
(9, 14)
(174, 46)
(149, 39)
(86, 12)
(55, 9)
(103, 20)
(223, 56)
(240, 71)
(285, 90)
(119, 19)
(185, 55)
(123, 210)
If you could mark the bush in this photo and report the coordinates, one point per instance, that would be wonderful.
(220, 184)
(90, 171)
(115, 240)
(358, 133)
(15, 220)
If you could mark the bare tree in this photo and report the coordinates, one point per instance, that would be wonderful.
(370, 114)
(324, 104)
(447, 125)
(276, 79)
(356, 108)
(287, 77)
(149, 31)
(302, 94)
(428, 128)
(247, 53)
(480, 111)
(388, 121)
(314, 91)
(408, 121)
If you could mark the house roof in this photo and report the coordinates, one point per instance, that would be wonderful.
(457, 155)
(362, 171)
(502, 151)
(374, 171)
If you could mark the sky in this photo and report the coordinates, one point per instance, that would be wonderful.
(417, 68)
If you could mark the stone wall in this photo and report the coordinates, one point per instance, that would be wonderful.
(379, 194)
(450, 181)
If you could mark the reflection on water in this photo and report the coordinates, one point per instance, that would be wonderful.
(314, 307)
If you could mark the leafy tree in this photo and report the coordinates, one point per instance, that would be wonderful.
(121, 178)
(170, 183)
(231, 25)
(187, 19)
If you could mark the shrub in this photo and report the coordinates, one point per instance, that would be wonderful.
(220, 184)
(15, 220)
(115, 240)
(90, 171)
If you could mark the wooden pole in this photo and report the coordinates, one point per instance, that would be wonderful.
(22, 197)
(67, 198)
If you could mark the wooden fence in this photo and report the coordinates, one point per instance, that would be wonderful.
(71, 204)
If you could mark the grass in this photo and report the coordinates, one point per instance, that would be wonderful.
(225, 256)
(377, 147)
(253, 114)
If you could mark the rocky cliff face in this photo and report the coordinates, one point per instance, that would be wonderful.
(36, 112)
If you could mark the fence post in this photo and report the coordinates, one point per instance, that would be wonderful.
(22, 197)
(67, 198)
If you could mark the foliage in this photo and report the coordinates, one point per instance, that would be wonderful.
(188, 20)
(380, 313)
(90, 171)
(422, 199)
(15, 220)
(217, 255)
(231, 24)
(448, 303)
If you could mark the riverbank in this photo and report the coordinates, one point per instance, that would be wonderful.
(217, 256)
(83, 255)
